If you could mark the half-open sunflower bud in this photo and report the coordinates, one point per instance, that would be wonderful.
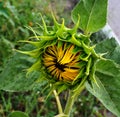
(63, 55)
(61, 62)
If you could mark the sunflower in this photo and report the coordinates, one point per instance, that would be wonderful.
(63, 55)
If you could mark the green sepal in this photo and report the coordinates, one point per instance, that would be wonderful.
(73, 40)
(77, 89)
(80, 75)
(45, 32)
(82, 64)
(56, 24)
(89, 64)
(34, 53)
(41, 43)
(44, 44)
(46, 38)
(34, 32)
(75, 28)
(37, 43)
(61, 29)
(85, 58)
(83, 38)
(87, 49)
(92, 73)
(95, 55)
(36, 66)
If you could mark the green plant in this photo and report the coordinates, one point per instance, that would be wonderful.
(84, 67)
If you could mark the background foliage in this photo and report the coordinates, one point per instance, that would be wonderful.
(14, 16)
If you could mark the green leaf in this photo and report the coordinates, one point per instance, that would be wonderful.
(13, 77)
(106, 46)
(111, 48)
(18, 114)
(116, 55)
(108, 79)
(92, 13)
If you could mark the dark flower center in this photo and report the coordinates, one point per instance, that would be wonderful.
(60, 66)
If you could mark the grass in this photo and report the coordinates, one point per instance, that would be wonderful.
(34, 103)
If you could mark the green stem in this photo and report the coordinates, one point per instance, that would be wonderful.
(58, 102)
(69, 104)
(71, 99)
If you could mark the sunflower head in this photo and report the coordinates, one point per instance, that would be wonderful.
(61, 62)
(63, 55)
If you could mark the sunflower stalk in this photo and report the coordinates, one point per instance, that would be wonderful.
(71, 100)
(69, 103)
(58, 102)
